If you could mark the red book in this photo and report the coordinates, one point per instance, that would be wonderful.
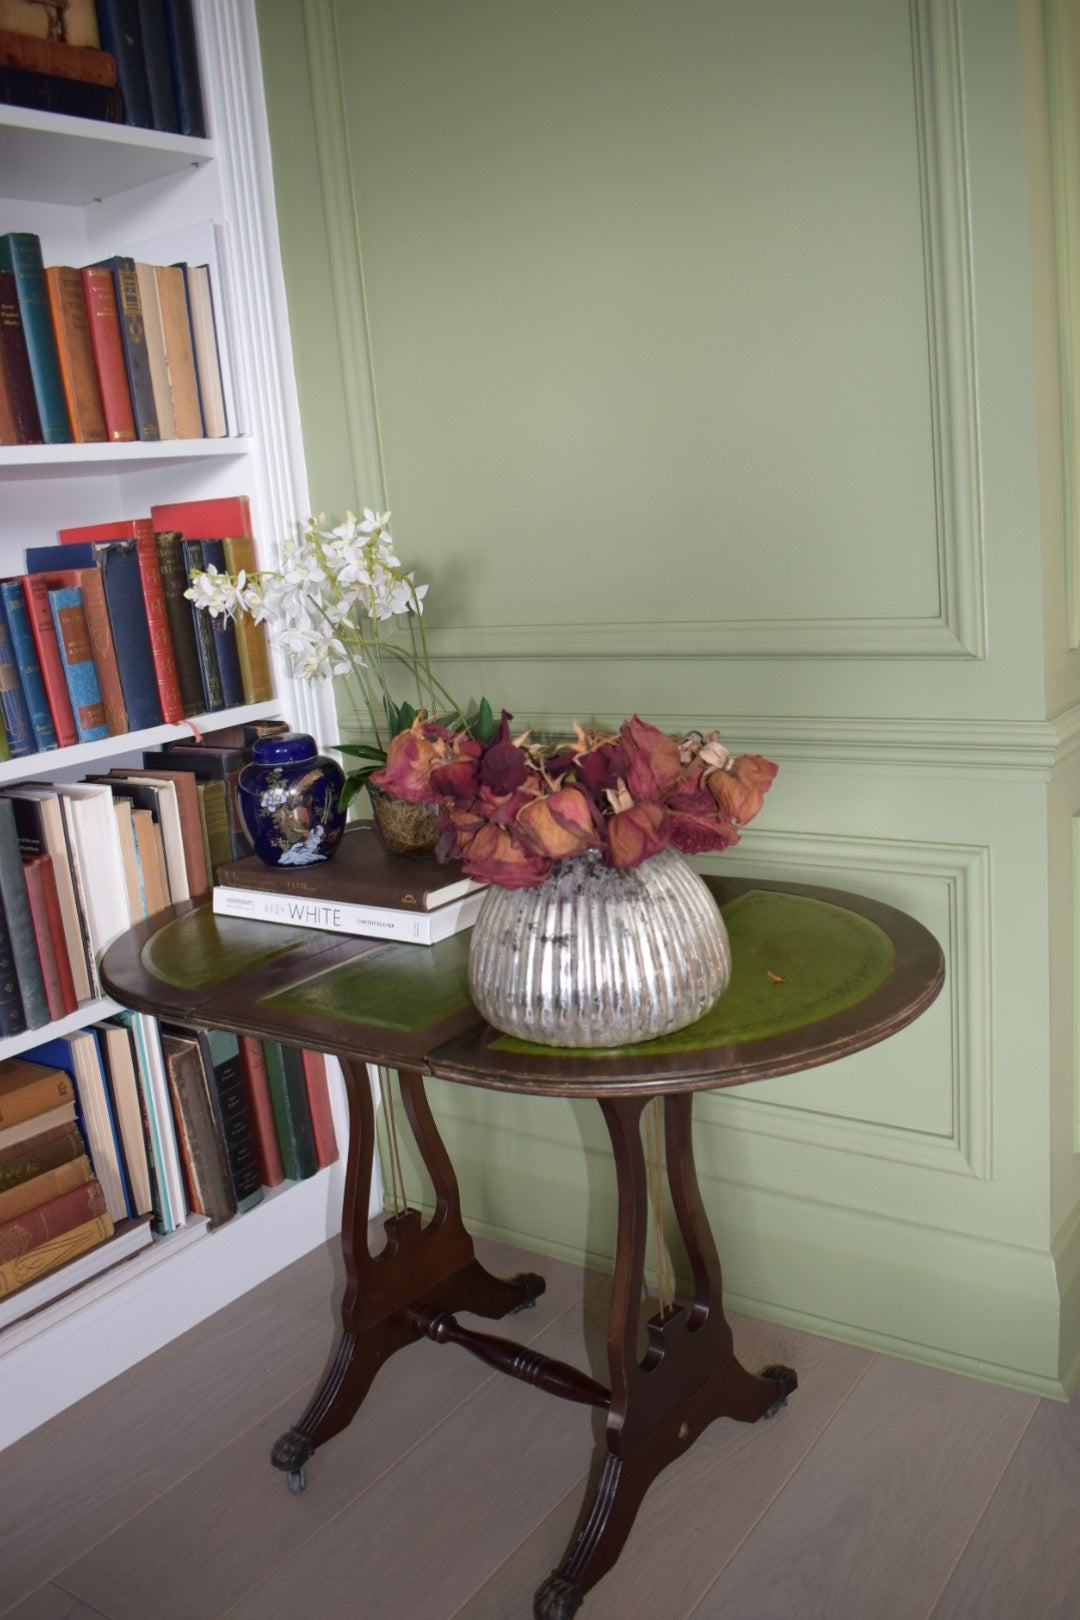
(257, 1091)
(49, 933)
(322, 1118)
(215, 519)
(141, 530)
(36, 589)
(108, 347)
(51, 1220)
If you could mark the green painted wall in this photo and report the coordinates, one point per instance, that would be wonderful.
(715, 361)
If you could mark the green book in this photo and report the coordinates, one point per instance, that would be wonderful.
(292, 1113)
(20, 252)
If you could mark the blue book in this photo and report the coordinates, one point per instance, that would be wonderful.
(228, 656)
(20, 733)
(120, 30)
(20, 252)
(180, 22)
(13, 603)
(77, 657)
(118, 564)
(79, 1056)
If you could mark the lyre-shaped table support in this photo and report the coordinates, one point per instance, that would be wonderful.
(689, 1375)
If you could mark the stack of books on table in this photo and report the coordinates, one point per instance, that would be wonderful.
(54, 1209)
(362, 890)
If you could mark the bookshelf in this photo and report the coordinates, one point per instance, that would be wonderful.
(90, 190)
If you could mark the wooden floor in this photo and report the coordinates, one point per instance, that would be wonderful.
(884, 1490)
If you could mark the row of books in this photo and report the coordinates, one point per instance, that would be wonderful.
(120, 61)
(81, 862)
(132, 1123)
(97, 638)
(108, 353)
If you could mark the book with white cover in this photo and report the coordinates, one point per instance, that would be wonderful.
(339, 917)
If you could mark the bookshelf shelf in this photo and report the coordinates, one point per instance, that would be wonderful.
(37, 461)
(51, 158)
(88, 1013)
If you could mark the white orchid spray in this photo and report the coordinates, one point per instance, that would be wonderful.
(336, 608)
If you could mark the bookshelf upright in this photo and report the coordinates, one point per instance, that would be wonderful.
(90, 190)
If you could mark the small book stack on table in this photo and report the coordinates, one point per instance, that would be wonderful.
(362, 891)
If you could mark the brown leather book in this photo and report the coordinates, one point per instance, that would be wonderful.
(74, 22)
(15, 357)
(9, 428)
(360, 874)
(99, 289)
(202, 1150)
(41, 891)
(56, 1252)
(23, 1161)
(78, 372)
(38, 1190)
(57, 58)
(28, 1089)
(179, 351)
(251, 643)
(108, 672)
(51, 1220)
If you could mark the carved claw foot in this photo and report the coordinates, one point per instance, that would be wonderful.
(786, 1379)
(533, 1284)
(557, 1599)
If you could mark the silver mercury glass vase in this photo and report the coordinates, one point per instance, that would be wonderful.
(596, 956)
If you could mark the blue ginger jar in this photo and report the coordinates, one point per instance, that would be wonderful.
(288, 801)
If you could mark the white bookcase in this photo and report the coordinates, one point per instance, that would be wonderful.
(90, 190)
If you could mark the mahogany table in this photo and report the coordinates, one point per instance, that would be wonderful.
(818, 974)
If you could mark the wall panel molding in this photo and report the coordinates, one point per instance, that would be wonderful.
(958, 629)
(961, 874)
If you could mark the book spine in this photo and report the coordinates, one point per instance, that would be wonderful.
(337, 917)
(322, 1117)
(22, 645)
(205, 640)
(179, 351)
(9, 427)
(48, 92)
(292, 1119)
(251, 643)
(16, 907)
(200, 302)
(180, 22)
(202, 1152)
(15, 362)
(121, 36)
(181, 622)
(108, 670)
(59, 1215)
(78, 373)
(107, 342)
(25, 1161)
(214, 816)
(133, 337)
(233, 1116)
(224, 632)
(261, 1109)
(20, 252)
(48, 1256)
(39, 1088)
(158, 65)
(77, 656)
(56, 57)
(121, 576)
(38, 1190)
(36, 591)
(157, 620)
(12, 1016)
(17, 726)
(44, 900)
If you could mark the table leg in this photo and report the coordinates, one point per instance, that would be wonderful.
(423, 1271)
(689, 1375)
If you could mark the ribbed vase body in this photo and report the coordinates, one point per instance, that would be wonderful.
(594, 956)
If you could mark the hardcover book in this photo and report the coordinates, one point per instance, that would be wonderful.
(76, 23)
(251, 643)
(155, 39)
(168, 1178)
(200, 304)
(57, 57)
(337, 917)
(206, 640)
(56, 1252)
(28, 1089)
(133, 340)
(36, 1226)
(118, 564)
(20, 252)
(40, 823)
(120, 29)
(202, 1150)
(75, 350)
(179, 351)
(261, 1109)
(79, 1056)
(361, 873)
(21, 636)
(116, 1045)
(154, 337)
(224, 630)
(48, 92)
(15, 361)
(184, 59)
(99, 287)
(15, 903)
(221, 1058)
(322, 1117)
(180, 619)
(33, 1192)
(17, 726)
(101, 640)
(39, 612)
(292, 1112)
(77, 657)
(42, 1152)
(27, 1132)
(187, 840)
(9, 428)
(209, 763)
(41, 891)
